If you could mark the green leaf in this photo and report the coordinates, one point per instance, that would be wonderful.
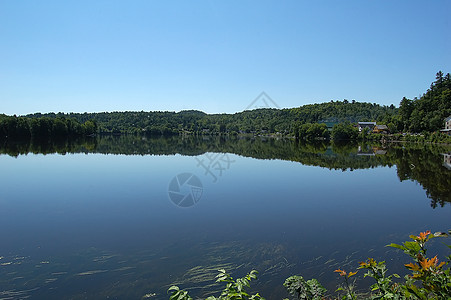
(173, 288)
(412, 246)
(396, 246)
(414, 290)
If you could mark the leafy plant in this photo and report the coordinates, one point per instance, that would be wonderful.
(304, 290)
(178, 294)
(384, 285)
(234, 290)
(348, 287)
(429, 279)
(435, 280)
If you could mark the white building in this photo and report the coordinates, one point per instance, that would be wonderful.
(369, 125)
(447, 129)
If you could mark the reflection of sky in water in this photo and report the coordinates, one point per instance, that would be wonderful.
(104, 224)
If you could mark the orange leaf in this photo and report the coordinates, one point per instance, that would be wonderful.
(351, 274)
(413, 267)
(424, 235)
(428, 263)
(342, 272)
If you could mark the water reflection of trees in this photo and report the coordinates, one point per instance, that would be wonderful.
(416, 162)
(46, 146)
(425, 165)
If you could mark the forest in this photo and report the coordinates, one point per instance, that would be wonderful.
(313, 121)
(14, 127)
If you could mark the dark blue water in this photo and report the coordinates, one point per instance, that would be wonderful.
(96, 226)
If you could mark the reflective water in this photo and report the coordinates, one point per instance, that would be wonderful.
(126, 217)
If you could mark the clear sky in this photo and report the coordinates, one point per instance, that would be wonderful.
(216, 56)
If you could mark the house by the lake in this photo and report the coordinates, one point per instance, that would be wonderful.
(373, 127)
(369, 125)
(447, 129)
(380, 129)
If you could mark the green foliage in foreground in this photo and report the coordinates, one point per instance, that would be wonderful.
(234, 290)
(428, 279)
(299, 288)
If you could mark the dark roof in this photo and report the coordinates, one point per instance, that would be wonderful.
(367, 123)
(380, 152)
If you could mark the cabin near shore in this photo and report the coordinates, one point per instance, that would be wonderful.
(373, 127)
(381, 129)
(447, 129)
(369, 125)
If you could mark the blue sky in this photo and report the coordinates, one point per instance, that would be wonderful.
(216, 56)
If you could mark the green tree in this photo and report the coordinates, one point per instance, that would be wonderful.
(344, 131)
(89, 127)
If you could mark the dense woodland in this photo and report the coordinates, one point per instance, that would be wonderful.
(427, 113)
(259, 121)
(14, 127)
(313, 121)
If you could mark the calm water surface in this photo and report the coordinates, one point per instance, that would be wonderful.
(93, 225)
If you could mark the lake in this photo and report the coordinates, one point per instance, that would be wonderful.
(124, 217)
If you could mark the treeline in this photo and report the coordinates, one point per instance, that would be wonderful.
(259, 121)
(417, 116)
(14, 127)
(340, 131)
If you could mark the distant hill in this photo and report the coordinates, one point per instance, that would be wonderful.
(417, 115)
(259, 120)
